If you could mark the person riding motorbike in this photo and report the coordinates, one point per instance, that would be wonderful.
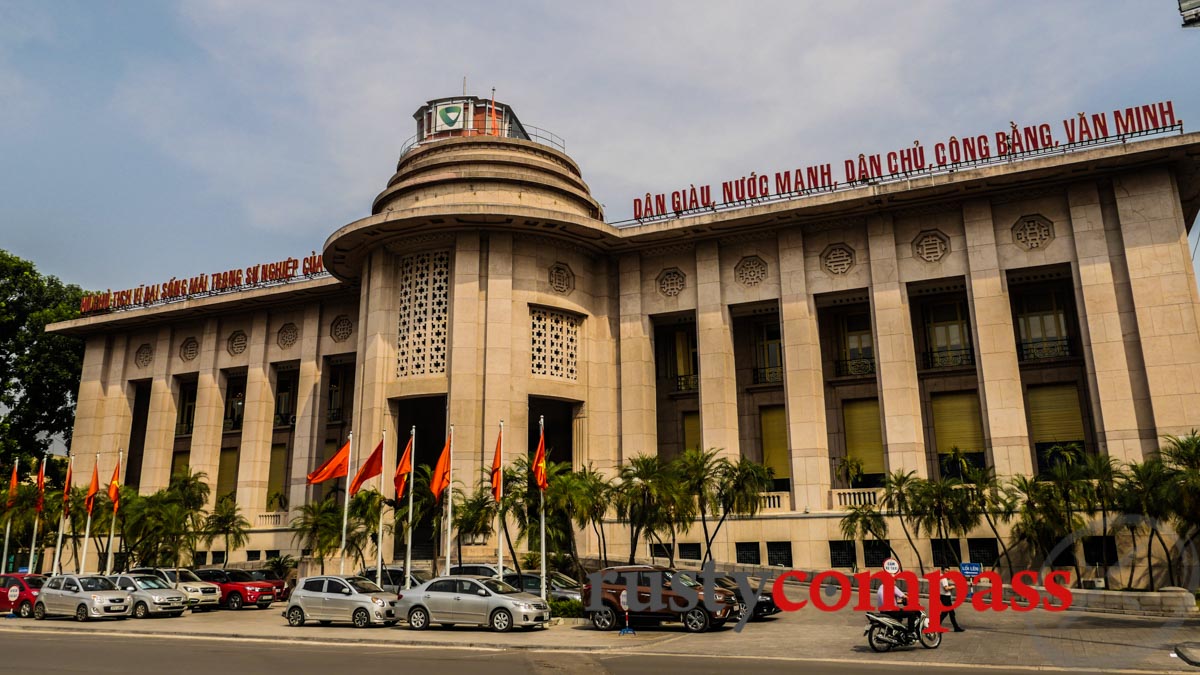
(909, 617)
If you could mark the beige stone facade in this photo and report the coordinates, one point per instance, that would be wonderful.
(486, 286)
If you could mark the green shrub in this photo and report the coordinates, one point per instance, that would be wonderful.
(567, 609)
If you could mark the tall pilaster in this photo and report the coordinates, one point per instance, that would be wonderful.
(466, 379)
(160, 422)
(714, 342)
(639, 429)
(207, 426)
(254, 460)
(306, 444)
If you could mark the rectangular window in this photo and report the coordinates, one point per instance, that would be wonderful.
(287, 382)
(687, 357)
(779, 554)
(179, 461)
(842, 554)
(864, 435)
(859, 342)
(875, 551)
(946, 553)
(199, 558)
(984, 551)
(218, 557)
(689, 551)
(946, 326)
(272, 553)
(1042, 316)
(777, 458)
(235, 402)
(277, 478)
(253, 556)
(768, 353)
(554, 343)
(227, 472)
(958, 424)
(691, 431)
(1055, 418)
(185, 417)
(748, 553)
(1100, 550)
(658, 550)
(340, 393)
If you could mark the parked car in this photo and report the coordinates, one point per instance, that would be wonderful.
(84, 597)
(477, 600)
(696, 619)
(201, 595)
(264, 574)
(393, 578)
(558, 586)
(19, 592)
(341, 598)
(764, 607)
(150, 595)
(239, 589)
(480, 569)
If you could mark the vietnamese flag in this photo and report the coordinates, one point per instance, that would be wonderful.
(41, 487)
(497, 474)
(403, 469)
(114, 487)
(441, 473)
(337, 467)
(67, 492)
(12, 488)
(539, 463)
(370, 468)
(93, 490)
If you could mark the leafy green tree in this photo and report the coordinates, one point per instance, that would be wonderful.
(850, 470)
(475, 513)
(1146, 490)
(900, 497)
(318, 528)
(739, 492)
(1103, 477)
(227, 522)
(1182, 455)
(863, 521)
(639, 495)
(943, 510)
(700, 474)
(594, 495)
(987, 497)
(281, 565)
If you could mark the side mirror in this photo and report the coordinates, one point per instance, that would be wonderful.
(482, 593)
(129, 588)
(345, 591)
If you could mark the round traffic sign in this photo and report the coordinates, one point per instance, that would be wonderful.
(625, 600)
(13, 593)
(891, 566)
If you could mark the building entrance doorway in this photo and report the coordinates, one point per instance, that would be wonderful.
(560, 428)
(428, 415)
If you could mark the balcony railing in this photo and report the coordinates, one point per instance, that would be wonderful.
(1034, 350)
(276, 519)
(950, 358)
(774, 501)
(285, 420)
(687, 383)
(184, 428)
(335, 416)
(768, 375)
(841, 499)
(232, 424)
(855, 367)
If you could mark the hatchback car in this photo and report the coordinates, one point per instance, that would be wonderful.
(201, 595)
(84, 597)
(239, 589)
(340, 598)
(151, 595)
(695, 619)
(269, 576)
(764, 604)
(474, 600)
(19, 592)
(393, 578)
(480, 569)
(558, 586)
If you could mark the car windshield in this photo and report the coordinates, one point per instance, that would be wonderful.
(96, 584)
(264, 575)
(150, 582)
(184, 575)
(362, 585)
(727, 582)
(683, 578)
(35, 582)
(238, 576)
(563, 581)
(497, 586)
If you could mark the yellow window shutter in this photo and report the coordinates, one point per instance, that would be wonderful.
(277, 479)
(864, 435)
(227, 472)
(691, 431)
(1054, 413)
(773, 421)
(957, 422)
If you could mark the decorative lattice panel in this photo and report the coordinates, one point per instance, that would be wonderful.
(424, 313)
(288, 334)
(144, 356)
(190, 349)
(554, 340)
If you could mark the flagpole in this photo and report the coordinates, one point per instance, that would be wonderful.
(542, 510)
(346, 506)
(112, 527)
(499, 513)
(449, 528)
(379, 534)
(37, 515)
(412, 439)
(87, 530)
(62, 517)
(7, 530)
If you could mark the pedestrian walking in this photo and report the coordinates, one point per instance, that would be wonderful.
(947, 593)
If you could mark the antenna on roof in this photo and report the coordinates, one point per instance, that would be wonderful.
(464, 85)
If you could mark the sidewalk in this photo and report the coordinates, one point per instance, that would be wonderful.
(1036, 640)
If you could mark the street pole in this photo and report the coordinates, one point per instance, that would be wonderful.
(112, 527)
(410, 483)
(346, 506)
(87, 530)
(7, 531)
(499, 514)
(449, 528)
(62, 517)
(542, 509)
(379, 533)
(37, 515)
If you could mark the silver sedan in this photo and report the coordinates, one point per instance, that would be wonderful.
(469, 599)
(151, 595)
(340, 598)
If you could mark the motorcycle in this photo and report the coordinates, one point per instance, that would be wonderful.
(883, 633)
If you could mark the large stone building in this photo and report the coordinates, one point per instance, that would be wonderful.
(999, 309)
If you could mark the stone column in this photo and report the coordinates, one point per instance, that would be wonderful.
(714, 342)
(210, 410)
(639, 429)
(804, 379)
(160, 423)
(85, 438)
(498, 403)
(117, 409)
(1165, 296)
(895, 354)
(1000, 393)
(466, 380)
(1108, 367)
(306, 444)
(377, 350)
(258, 421)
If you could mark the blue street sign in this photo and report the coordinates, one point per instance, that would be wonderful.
(970, 569)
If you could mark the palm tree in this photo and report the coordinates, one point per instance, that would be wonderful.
(899, 497)
(1103, 474)
(226, 521)
(987, 497)
(318, 528)
(638, 497)
(850, 470)
(1067, 475)
(475, 513)
(700, 473)
(739, 491)
(512, 504)
(594, 494)
(862, 521)
(943, 509)
(1182, 455)
(1146, 491)
(679, 508)
(362, 524)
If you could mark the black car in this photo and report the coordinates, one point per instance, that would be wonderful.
(558, 586)
(766, 599)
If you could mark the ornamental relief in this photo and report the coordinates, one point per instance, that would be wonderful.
(189, 350)
(561, 279)
(144, 356)
(671, 282)
(837, 259)
(1033, 232)
(931, 246)
(750, 271)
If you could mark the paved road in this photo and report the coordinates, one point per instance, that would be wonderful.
(60, 654)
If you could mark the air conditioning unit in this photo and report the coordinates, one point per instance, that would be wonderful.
(1092, 584)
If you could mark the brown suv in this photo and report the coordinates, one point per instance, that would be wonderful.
(674, 606)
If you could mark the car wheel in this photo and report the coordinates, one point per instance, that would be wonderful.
(361, 618)
(235, 601)
(502, 621)
(26, 610)
(140, 610)
(605, 619)
(295, 617)
(81, 613)
(418, 618)
(696, 620)
(39, 612)
(876, 641)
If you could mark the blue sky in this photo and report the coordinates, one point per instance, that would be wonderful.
(145, 140)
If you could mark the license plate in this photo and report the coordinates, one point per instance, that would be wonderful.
(266, 597)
